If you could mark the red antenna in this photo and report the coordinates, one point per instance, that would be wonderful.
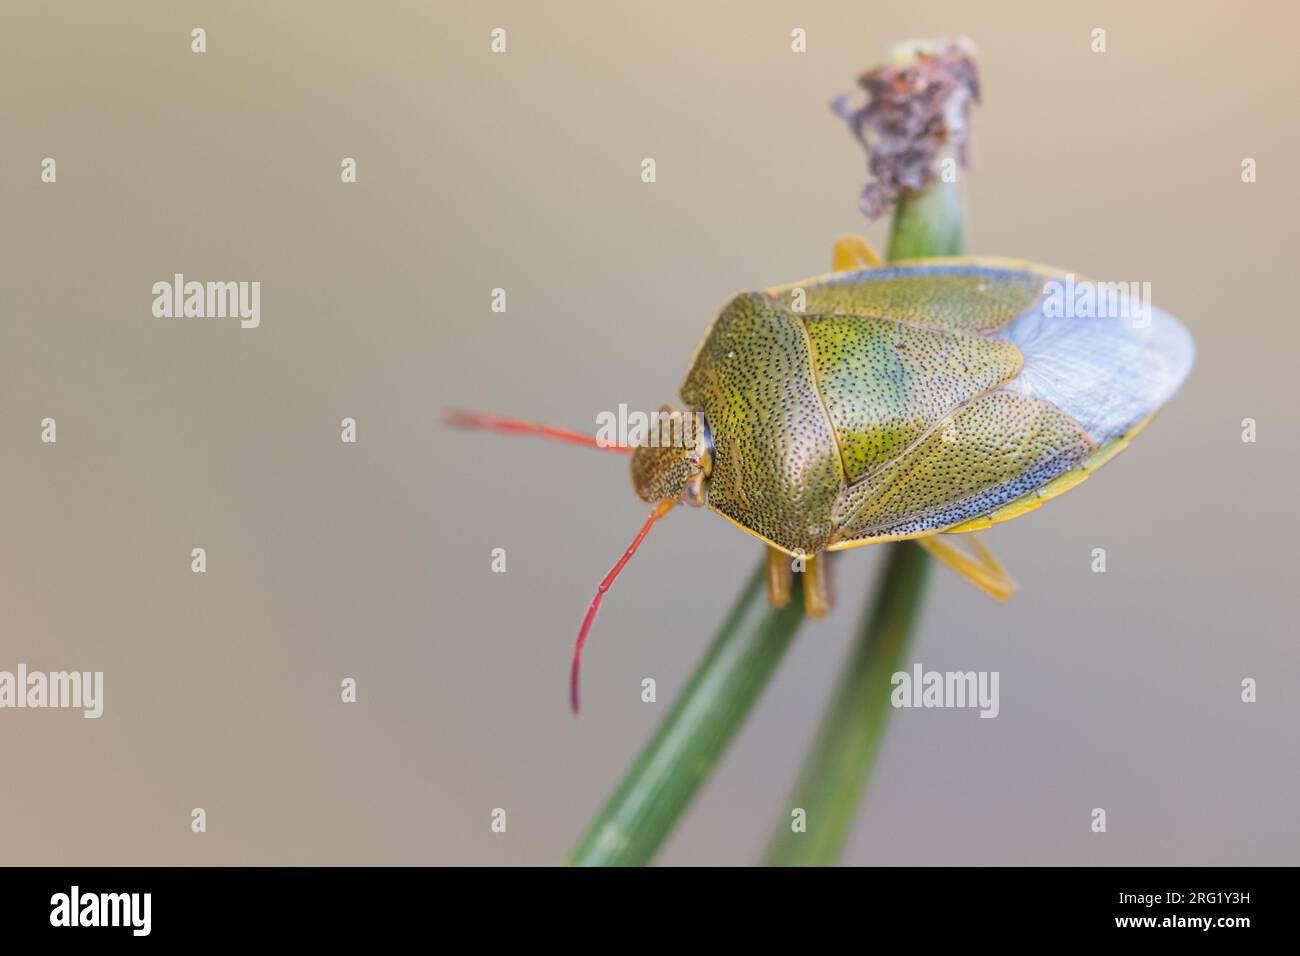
(660, 510)
(514, 426)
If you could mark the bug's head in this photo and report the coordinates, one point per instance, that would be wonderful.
(674, 461)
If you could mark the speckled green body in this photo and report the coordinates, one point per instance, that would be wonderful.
(896, 402)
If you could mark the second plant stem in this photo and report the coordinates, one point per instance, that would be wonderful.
(835, 773)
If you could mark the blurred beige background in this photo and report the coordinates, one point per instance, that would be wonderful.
(372, 561)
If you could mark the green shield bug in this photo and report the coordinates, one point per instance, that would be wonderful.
(883, 402)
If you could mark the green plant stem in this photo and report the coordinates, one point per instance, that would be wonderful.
(835, 773)
(927, 224)
(694, 734)
(830, 785)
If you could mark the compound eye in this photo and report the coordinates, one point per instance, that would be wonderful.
(702, 452)
(693, 492)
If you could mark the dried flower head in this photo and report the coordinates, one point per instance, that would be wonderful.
(915, 107)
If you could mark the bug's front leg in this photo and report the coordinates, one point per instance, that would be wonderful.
(780, 576)
(853, 252)
(818, 585)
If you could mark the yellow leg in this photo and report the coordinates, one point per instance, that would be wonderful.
(818, 587)
(852, 252)
(981, 570)
(779, 577)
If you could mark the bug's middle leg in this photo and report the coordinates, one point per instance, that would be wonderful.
(852, 252)
(980, 569)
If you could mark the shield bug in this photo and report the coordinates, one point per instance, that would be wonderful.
(915, 400)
